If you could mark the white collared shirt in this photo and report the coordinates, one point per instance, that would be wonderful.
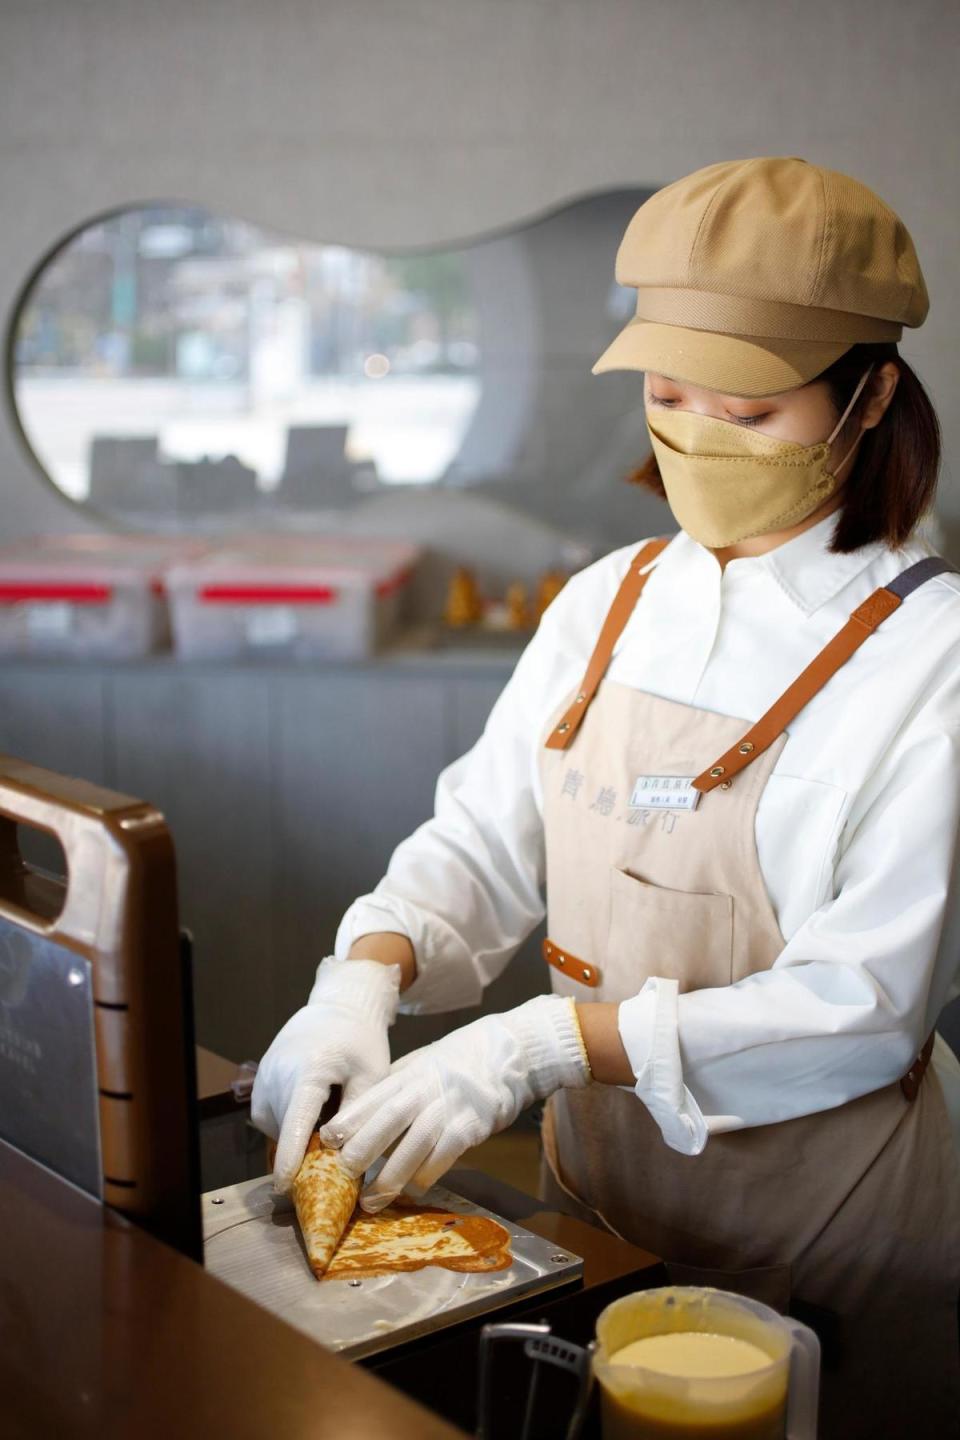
(856, 829)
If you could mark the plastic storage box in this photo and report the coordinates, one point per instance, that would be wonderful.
(319, 598)
(87, 596)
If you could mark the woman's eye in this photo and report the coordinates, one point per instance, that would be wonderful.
(738, 419)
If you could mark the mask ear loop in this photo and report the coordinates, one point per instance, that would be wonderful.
(839, 425)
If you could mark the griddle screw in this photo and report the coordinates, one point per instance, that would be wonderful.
(355, 1284)
(217, 1200)
(559, 1259)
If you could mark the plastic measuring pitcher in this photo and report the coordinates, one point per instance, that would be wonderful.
(770, 1395)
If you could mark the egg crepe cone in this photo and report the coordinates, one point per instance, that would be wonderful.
(325, 1196)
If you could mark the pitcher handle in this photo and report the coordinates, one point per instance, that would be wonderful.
(544, 1348)
(804, 1393)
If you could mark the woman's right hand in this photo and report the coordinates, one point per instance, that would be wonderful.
(338, 1038)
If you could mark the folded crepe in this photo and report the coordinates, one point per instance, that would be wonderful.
(405, 1236)
(325, 1196)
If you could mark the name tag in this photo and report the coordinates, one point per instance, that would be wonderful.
(664, 792)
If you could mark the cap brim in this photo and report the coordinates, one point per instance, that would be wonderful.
(746, 365)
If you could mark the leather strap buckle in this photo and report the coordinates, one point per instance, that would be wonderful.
(571, 965)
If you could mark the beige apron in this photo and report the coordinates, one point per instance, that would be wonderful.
(854, 1209)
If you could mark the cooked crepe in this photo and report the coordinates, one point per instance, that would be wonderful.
(404, 1236)
(325, 1195)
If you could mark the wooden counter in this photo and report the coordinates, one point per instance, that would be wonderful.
(106, 1333)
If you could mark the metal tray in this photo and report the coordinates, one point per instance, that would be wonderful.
(252, 1243)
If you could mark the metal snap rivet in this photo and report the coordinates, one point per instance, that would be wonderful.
(561, 960)
(581, 697)
(217, 1200)
(587, 972)
(562, 727)
(354, 1284)
(559, 1259)
(746, 747)
(717, 770)
(725, 784)
(74, 976)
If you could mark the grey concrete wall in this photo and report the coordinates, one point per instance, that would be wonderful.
(286, 792)
(394, 122)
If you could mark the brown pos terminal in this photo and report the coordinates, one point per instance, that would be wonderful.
(97, 1070)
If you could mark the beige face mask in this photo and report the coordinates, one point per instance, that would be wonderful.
(725, 483)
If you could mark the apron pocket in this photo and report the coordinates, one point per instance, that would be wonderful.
(680, 935)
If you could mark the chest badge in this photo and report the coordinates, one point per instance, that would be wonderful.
(664, 792)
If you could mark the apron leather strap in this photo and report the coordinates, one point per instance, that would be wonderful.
(571, 965)
(861, 625)
(619, 613)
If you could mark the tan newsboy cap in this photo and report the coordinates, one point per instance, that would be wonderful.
(753, 276)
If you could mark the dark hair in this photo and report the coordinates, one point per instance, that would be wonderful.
(894, 474)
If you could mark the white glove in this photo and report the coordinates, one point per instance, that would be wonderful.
(338, 1038)
(460, 1090)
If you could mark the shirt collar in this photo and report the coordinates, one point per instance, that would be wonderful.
(804, 568)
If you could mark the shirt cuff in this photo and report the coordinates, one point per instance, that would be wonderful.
(446, 980)
(649, 1031)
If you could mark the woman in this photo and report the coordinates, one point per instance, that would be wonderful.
(746, 826)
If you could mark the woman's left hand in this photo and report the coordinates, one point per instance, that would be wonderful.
(439, 1101)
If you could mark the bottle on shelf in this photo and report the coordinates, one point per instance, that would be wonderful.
(464, 602)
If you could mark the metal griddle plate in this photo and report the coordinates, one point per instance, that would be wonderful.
(252, 1243)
